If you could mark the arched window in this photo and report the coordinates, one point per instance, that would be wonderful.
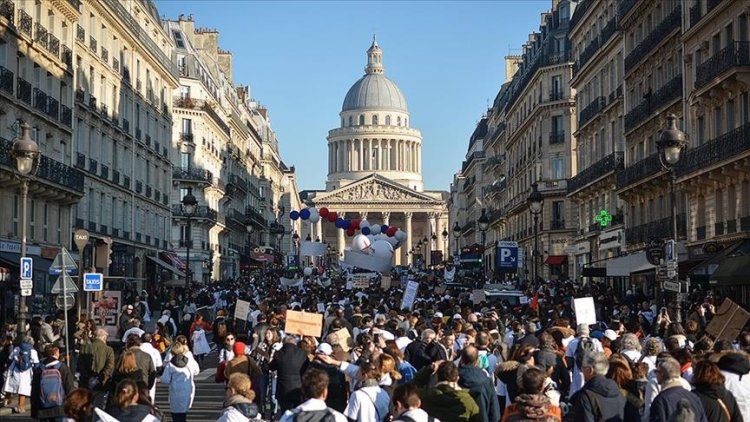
(361, 119)
(398, 121)
(351, 121)
(374, 119)
(406, 122)
(388, 120)
(342, 122)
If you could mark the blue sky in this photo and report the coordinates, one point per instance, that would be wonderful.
(300, 58)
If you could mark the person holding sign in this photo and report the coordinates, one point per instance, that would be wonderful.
(289, 363)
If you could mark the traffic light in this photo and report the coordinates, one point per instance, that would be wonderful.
(104, 254)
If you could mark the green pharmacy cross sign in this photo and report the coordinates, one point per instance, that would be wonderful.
(603, 218)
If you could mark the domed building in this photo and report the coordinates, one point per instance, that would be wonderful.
(375, 169)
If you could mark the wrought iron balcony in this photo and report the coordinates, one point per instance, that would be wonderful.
(49, 170)
(186, 137)
(115, 177)
(93, 166)
(255, 216)
(591, 110)
(654, 102)
(734, 55)
(92, 102)
(601, 168)
(104, 111)
(606, 33)
(557, 225)
(126, 182)
(672, 22)
(715, 151)
(53, 108)
(23, 91)
(7, 10)
(636, 172)
(115, 64)
(67, 56)
(138, 133)
(556, 138)
(126, 125)
(80, 96)
(40, 35)
(6, 80)
(104, 171)
(25, 23)
(201, 211)
(659, 229)
(53, 45)
(239, 182)
(66, 115)
(624, 6)
(80, 34)
(40, 100)
(80, 160)
(192, 174)
(92, 43)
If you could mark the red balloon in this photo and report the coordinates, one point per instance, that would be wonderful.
(350, 232)
(332, 216)
(355, 224)
(391, 231)
(323, 212)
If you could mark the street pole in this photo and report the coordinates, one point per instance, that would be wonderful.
(673, 200)
(188, 242)
(22, 309)
(536, 246)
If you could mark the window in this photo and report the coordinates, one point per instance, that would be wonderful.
(361, 119)
(730, 115)
(375, 119)
(398, 121)
(701, 130)
(388, 120)
(558, 168)
(558, 213)
(184, 91)
(187, 126)
(745, 107)
(717, 122)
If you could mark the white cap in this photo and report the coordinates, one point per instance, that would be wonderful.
(324, 349)
(438, 315)
(611, 334)
(458, 316)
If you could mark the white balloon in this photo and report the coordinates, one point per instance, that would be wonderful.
(361, 243)
(375, 228)
(308, 271)
(382, 249)
(400, 235)
(314, 215)
(364, 223)
(372, 238)
(393, 241)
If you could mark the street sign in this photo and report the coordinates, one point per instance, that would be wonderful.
(26, 284)
(25, 292)
(27, 268)
(665, 273)
(670, 251)
(64, 283)
(507, 255)
(63, 260)
(81, 239)
(93, 282)
(671, 286)
(65, 302)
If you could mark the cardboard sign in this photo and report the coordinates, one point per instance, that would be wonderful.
(585, 310)
(386, 282)
(360, 281)
(241, 309)
(345, 340)
(410, 295)
(291, 282)
(729, 320)
(304, 323)
(478, 296)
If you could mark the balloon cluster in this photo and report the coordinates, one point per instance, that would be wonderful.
(368, 235)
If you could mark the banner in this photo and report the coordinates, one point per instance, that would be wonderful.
(585, 310)
(107, 310)
(291, 282)
(368, 262)
(304, 323)
(386, 282)
(345, 340)
(449, 275)
(312, 249)
(361, 281)
(729, 320)
(410, 295)
(241, 310)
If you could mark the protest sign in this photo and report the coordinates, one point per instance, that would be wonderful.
(385, 282)
(291, 282)
(410, 295)
(728, 321)
(321, 307)
(241, 309)
(304, 323)
(478, 296)
(361, 281)
(308, 248)
(345, 340)
(585, 311)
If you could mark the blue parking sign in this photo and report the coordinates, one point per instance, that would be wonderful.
(27, 268)
(93, 282)
(507, 257)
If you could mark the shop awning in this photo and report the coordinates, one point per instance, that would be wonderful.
(166, 266)
(261, 257)
(556, 259)
(734, 269)
(622, 266)
(14, 261)
(174, 260)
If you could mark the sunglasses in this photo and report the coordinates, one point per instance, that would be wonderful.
(229, 339)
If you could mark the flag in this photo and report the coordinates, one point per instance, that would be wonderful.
(535, 302)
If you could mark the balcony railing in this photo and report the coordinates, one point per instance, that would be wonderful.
(665, 27)
(6, 80)
(591, 110)
(92, 43)
(104, 171)
(609, 29)
(138, 133)
(66, 115)
(40, 100)
(7, 10)
(624, 6)
(53, 108)
(40, 35)
(67, 56)
(25, 23)
(80, 160)
(556, 138)
(735, 54)
(659, 229)
(612, 162)
(126, 182)
(696, 12)
(636, 172)
(715, 151)
(138, 186)
(115, 64)
(49, 170)
(80, 34)
(192, 174)
(93, 166)
(201, 211)
(53, 45)
(126, 125)
(581, 10)
(80, 96)
(654, 102)
(92, 102)
(557, 225)
(186, 137)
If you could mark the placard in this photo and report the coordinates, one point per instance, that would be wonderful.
(478, 296)
(523, 300)
(386, 282)
(585, 310)
(107, 310)
(312, 249)
(291, 282)
(241, 310)
(321, 308)
(440, 290)
(304, 323)
(410, 295)
(360, 281)
(729, 320)
(345, 340)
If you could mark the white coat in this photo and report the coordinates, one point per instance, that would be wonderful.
(19, 382)
(200, 343)
(181, 385)
(740, 387)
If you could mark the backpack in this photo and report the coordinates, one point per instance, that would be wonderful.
(51, 387)
(484, 362)
(585, 346)
(24, 357)
(324, 415)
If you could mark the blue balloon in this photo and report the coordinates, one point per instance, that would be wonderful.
(347, 224)
(339, 223)
(305, 214)
(294, 215)
(365, 230)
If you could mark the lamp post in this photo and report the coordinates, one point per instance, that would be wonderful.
(535, 201)
(189, 205)
(484, 223)
(445, 243)
(670, 144)
(295, 240)
(456, 234)
(26, 153)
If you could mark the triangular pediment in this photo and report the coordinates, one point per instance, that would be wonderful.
(374, 188)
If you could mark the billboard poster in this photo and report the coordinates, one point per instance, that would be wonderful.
(106, 311)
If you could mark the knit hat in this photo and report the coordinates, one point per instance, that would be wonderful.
(238, 348)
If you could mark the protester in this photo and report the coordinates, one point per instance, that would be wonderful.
(78, 405)
(179, 375)
(315, 388)
(406, 405)
(238, 405)
(599, 398)
(125, 406)
(475, 379)
(532, 403)
(446, 400)
(289, 363)
(52, 382)
(672, 392)
(18, 376)
(718, 403)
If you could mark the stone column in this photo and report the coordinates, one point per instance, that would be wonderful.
(408, 216)
(341, 240)
(387, 218)
(319, 229)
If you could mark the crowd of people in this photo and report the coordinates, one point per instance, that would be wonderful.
(448, 356)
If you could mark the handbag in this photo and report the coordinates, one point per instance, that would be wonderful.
(220, 378)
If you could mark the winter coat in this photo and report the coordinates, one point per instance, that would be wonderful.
(238, 409)
(200, 343)
(416, 354)
(450, 404)
(507, 372)
(96, 360)
(117, 377)
(179, 375)
(290, 362)
(666, 403)
(599, 400)
(132, 413)
(37, 412)
(739, 385)
(482, 390)
(338, 392)
(532, 407)
(17, 381)
(709, 395)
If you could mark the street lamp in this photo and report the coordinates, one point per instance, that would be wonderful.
(535, 201)
(672, 141)
(456, 234)
(189, 205)
(26, 153)
(484, 223)
(295, 240)
(445, 243)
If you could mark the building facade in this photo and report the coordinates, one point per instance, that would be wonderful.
(375, 169)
